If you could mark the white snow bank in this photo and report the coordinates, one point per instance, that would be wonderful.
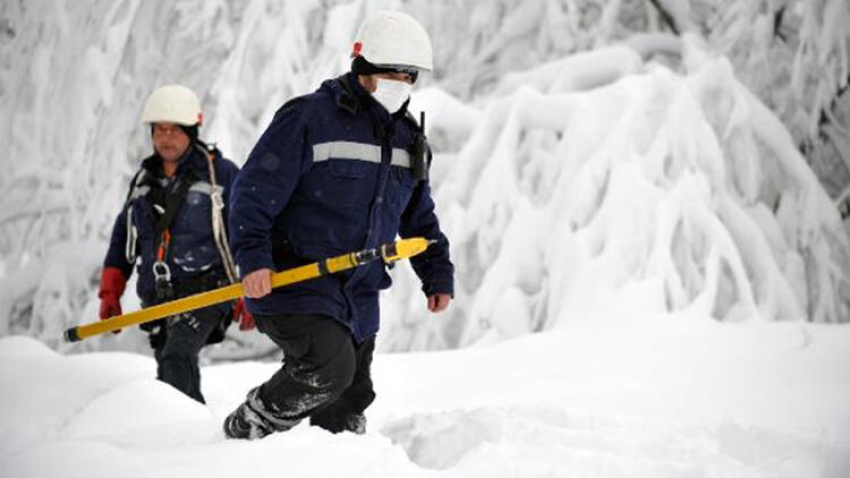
(659, 396)
(521, 442)
(40, 390)
(19, 346)
(138, 413)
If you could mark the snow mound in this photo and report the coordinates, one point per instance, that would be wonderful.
(523, 442)
(21, 346)
(42, 391)
(658, 396)
(139, 412)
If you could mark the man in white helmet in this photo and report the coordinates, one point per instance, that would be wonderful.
(172, 229)
(338, 170)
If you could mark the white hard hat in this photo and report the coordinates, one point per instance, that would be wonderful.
(173, 104)
(393, 39)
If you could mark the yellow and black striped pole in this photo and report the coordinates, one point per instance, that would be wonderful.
(401, 249)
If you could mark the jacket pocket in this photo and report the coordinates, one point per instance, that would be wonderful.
(348, 183)
(351, 169)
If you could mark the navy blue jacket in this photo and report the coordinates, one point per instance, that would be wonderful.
(331, 175)
(192, 252)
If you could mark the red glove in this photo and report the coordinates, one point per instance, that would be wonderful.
(243, 316)
(112, 284)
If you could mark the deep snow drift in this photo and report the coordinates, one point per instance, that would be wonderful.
(656, 397)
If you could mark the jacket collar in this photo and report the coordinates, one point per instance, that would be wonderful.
(350, 96)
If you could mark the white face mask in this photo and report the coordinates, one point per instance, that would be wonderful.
(391, 94)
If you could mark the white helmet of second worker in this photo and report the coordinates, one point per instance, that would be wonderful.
(173, 104)
(391, 39)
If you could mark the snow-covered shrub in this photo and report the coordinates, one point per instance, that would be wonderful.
(579, 197)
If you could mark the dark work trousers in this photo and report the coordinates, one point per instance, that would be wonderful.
(325, 374)
(177, 344)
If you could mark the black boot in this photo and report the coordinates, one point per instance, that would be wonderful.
(252, 419)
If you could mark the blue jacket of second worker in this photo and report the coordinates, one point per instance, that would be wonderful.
(192, 252)
(331, 175)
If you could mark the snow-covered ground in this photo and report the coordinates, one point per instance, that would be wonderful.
(663, 396)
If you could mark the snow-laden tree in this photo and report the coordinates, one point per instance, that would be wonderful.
(73, 78)
(822, 74)
(603, 186)
(74, 75)
(795, 56)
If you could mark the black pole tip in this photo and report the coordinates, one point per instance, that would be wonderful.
(71, 335)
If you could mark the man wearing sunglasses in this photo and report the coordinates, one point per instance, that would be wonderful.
(338, 170)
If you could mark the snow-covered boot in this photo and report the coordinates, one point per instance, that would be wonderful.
(252, 419)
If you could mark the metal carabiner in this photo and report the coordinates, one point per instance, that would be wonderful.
(216, 197)
(161, 272)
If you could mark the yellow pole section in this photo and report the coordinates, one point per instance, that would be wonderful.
(395, 251)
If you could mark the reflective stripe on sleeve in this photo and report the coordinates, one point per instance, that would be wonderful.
(199, 186)
(203, 187)
(357, 151)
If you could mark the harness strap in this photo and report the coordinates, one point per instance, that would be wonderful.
(218, 227)
(132, 234)
(172, 206)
